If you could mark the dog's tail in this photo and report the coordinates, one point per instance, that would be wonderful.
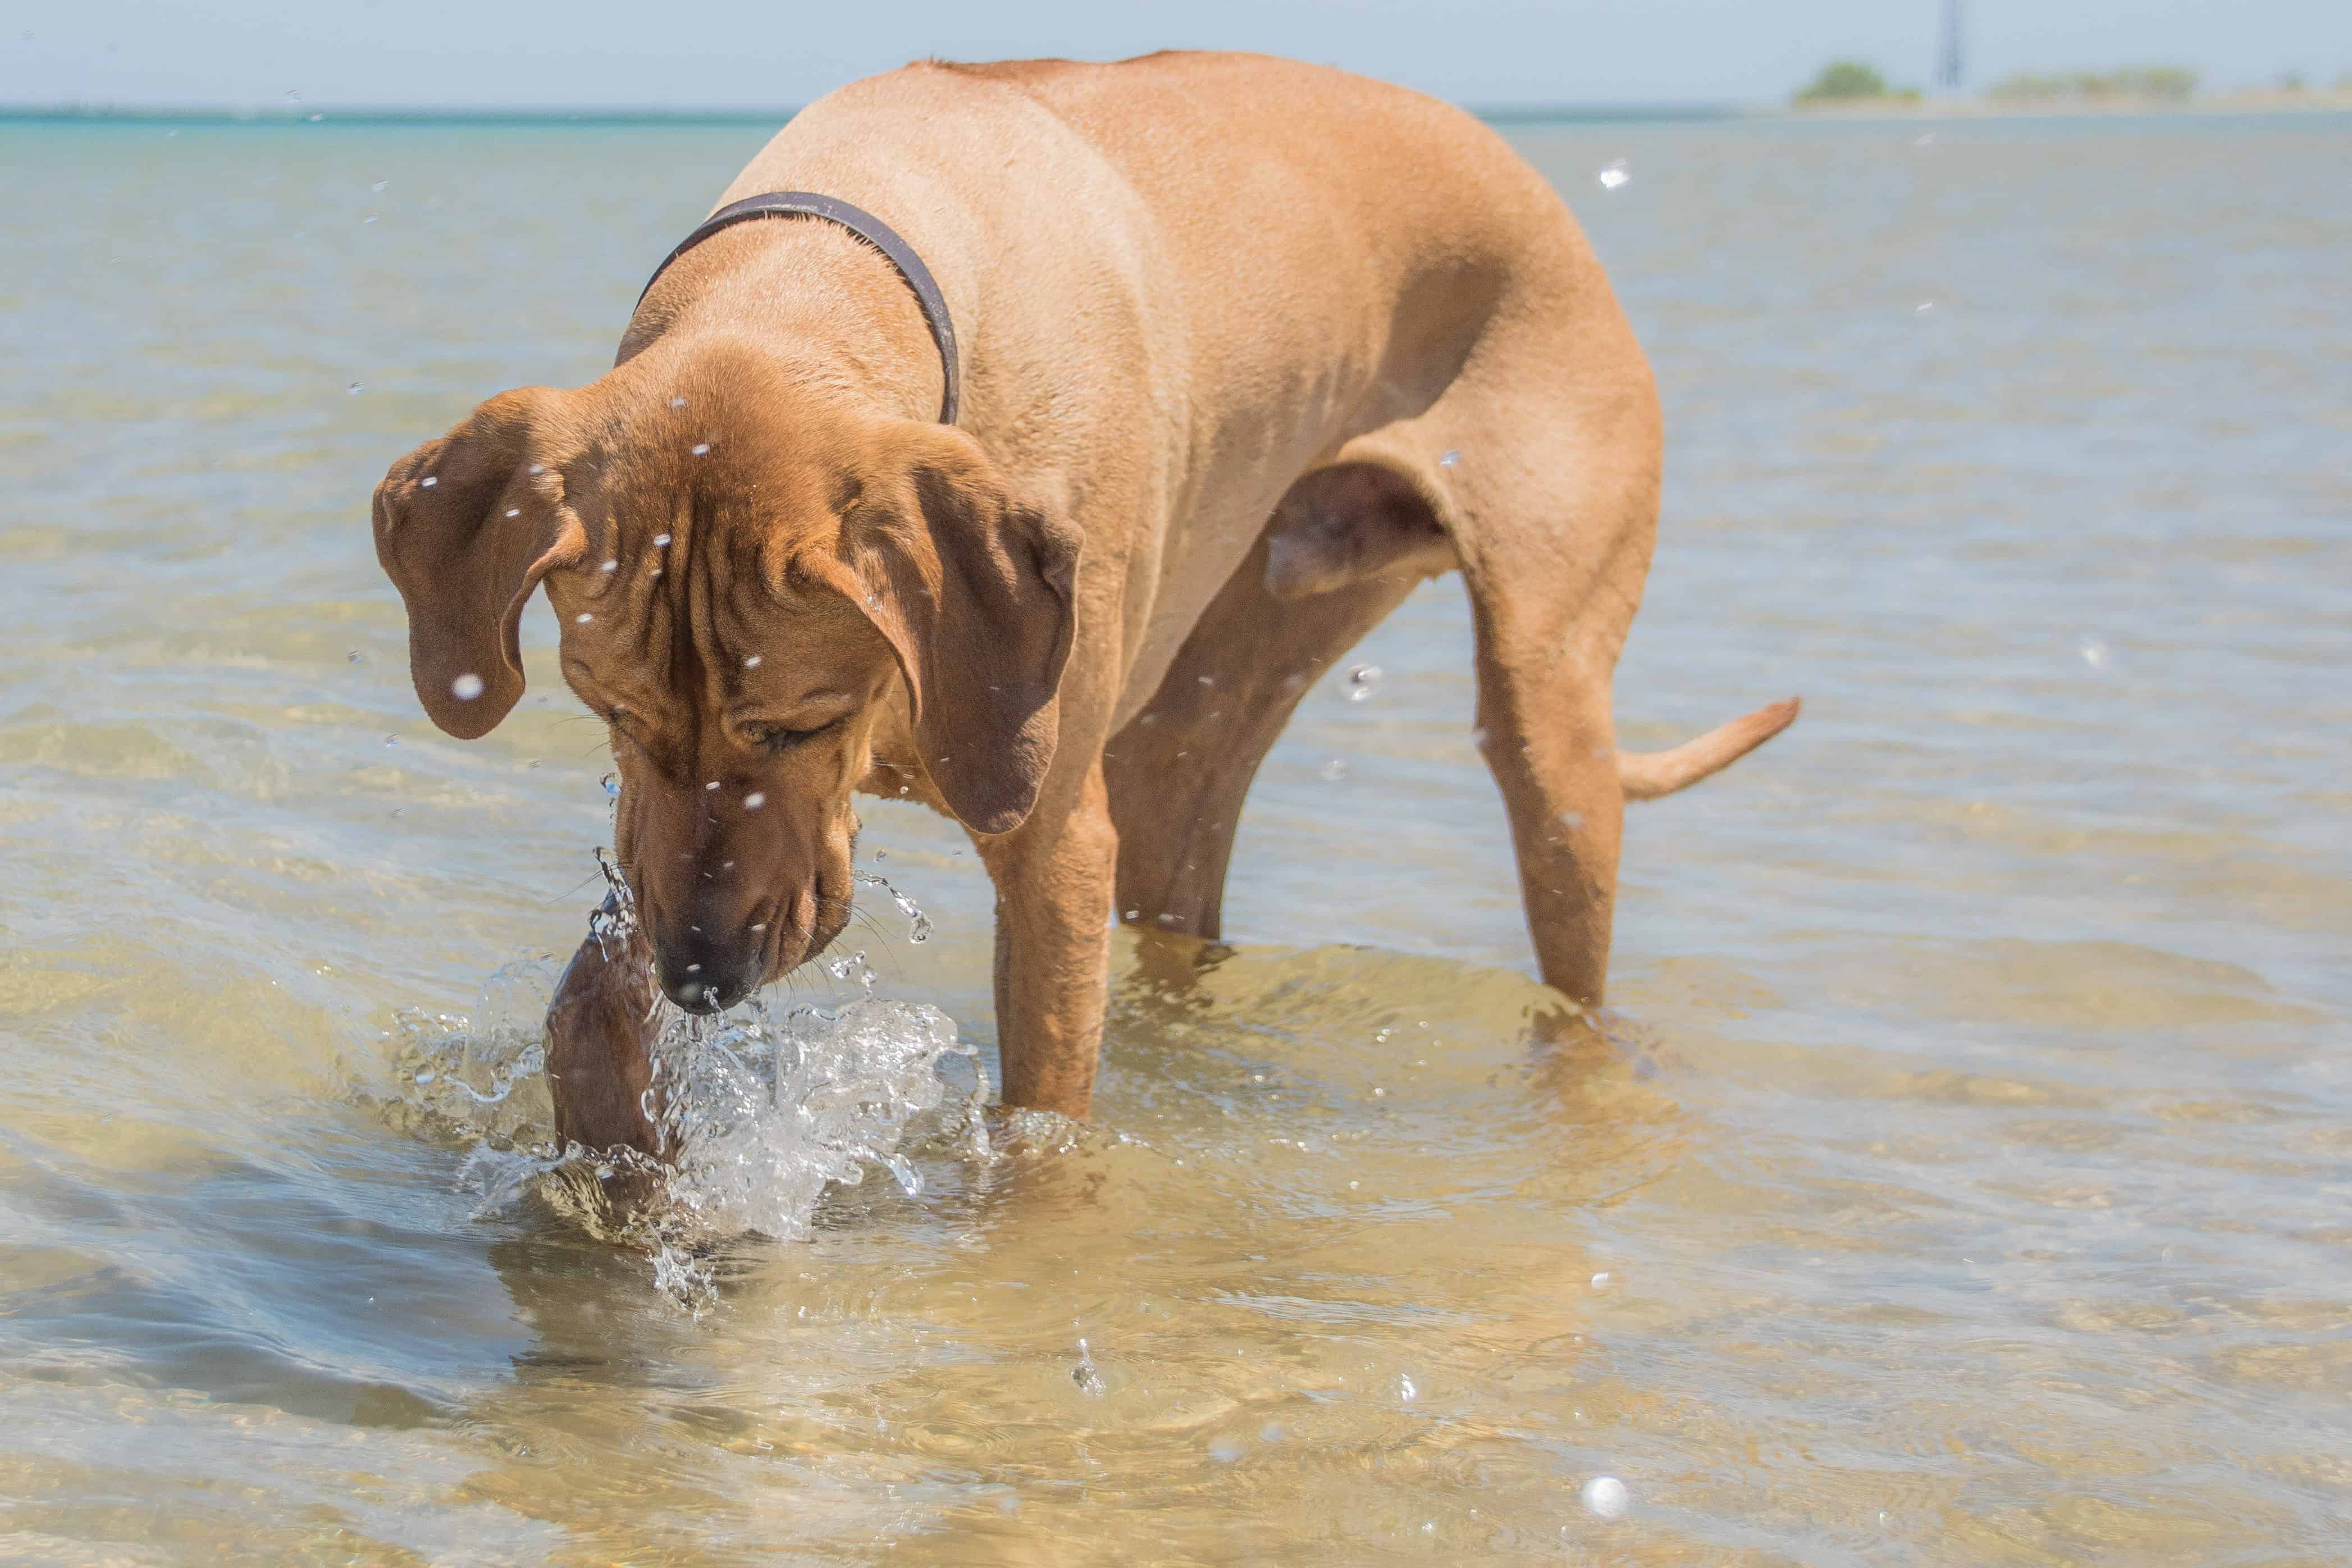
(1646, 775)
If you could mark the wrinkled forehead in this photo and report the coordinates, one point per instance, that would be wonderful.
(703, 628)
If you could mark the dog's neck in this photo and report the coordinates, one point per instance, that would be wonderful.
(832, 312)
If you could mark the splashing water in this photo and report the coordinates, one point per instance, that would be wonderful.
(1089, 1381)
(759, 1113)
(918, 925)
(763, 1113)
(854, 967)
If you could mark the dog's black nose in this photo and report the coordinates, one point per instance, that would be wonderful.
(703, 977)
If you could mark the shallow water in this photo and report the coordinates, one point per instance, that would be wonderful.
(1964, 1179)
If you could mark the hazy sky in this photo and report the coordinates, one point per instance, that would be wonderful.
(765, 53)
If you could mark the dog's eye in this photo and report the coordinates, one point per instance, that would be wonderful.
(776, 738)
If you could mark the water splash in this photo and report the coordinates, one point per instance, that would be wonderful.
(853, 967)
(762, 1113)
(918, 925)
(1085, 1375)
(759, 1113)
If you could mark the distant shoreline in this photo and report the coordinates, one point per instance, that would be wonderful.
(1518, 115)
(2253, 102)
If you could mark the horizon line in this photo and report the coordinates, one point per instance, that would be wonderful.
(425, 114)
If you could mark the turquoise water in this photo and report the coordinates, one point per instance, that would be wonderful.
(1966, 1180)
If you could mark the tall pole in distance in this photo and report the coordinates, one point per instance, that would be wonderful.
(1947, 49)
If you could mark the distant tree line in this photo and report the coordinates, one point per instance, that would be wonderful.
(2161, 84)
(1851, 81)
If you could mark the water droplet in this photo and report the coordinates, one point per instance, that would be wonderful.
(694, 968)
(661, 541)
(754, 800)
(1406, 1390)
(2095, 652)
(368, 219)
(514, 511)
(353, 657)
(1451, 455)
(700, 449)
(1601, 1280)
(1606, 1496)
(612, 785)
(1084, 1375)
(1614, 175)
(1225, 1450)
(1334, 770)
(1362, 682)
(466, 686)
(1924, 307)
(678, 402)
(380, 184)
(712, 785)
(584, 618)
(353, 389)
(610, 565)
(752, 662)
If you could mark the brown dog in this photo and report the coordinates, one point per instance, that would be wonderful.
(1249, 349)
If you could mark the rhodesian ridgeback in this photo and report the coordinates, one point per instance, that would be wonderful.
(1047, 434)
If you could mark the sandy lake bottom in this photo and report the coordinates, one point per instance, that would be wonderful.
(1962, 1177)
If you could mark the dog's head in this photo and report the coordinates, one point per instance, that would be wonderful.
(749, 576)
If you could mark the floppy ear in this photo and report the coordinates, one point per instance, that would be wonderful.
(974, 588)
(466, 532)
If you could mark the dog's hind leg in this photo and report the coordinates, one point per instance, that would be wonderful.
(1554, 515)
(1344, 549)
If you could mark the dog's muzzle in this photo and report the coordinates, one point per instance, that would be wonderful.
(704, 974)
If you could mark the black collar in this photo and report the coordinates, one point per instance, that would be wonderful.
(865, 226)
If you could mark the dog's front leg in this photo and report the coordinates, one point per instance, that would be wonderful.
(1054, 879)
(600, 1035)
